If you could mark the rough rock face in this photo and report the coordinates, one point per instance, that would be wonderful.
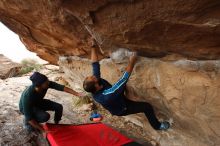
(8, 68)
(154, 28)
(185, 92)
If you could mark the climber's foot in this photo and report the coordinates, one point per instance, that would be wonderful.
(164, 125)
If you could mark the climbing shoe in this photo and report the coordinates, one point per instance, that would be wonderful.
(164, 125)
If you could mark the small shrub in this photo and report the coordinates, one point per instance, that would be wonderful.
(29, 65)
(80, 101)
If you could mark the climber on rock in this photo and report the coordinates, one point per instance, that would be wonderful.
(33, 105)
(112, 97)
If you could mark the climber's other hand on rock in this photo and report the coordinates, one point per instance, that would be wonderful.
(133, 57)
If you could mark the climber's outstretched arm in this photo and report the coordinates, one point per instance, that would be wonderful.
(119, 87)
(94, 55)
(132, 61)
(95, 60)
(94, 51)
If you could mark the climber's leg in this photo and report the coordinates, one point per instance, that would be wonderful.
(142, 107)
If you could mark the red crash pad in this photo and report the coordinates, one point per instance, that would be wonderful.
(97, 134)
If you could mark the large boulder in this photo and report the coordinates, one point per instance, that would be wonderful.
(8, 68)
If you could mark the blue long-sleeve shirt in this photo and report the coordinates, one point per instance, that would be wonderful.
(111, 97)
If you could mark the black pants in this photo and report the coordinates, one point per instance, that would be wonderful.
(40, 114)
(142, 107)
